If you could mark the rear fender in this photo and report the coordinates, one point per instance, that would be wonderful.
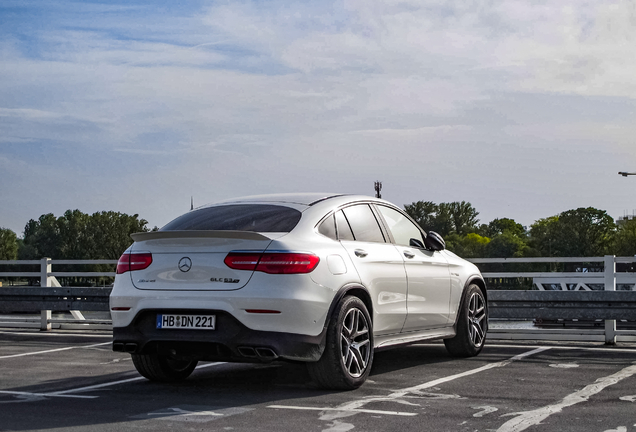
(353, 289)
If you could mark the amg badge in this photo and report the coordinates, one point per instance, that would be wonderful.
(225, 280)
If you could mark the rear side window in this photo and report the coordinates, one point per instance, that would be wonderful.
(238, 217)
(328, 228)
(363, 223)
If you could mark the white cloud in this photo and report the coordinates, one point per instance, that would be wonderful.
(437, 97)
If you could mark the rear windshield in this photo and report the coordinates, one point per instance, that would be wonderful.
(238, 217)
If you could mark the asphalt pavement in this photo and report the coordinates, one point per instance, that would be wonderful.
(72, 381)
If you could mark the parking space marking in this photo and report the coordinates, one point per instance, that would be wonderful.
(531, 418)
(112, 383)
(395, 413)
(19, 393)
(430, 384)
(47, 334)
(355, 406)
(52, 350)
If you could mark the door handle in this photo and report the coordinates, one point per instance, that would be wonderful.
(360, 253)
(409, 255)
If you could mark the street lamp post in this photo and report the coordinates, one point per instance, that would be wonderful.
(625, 174)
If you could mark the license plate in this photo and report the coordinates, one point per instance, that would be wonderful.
(189, 322)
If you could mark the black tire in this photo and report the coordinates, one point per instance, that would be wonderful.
(161, 368)
(472, 325)
(346, 362)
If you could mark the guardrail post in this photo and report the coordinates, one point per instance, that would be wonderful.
(610, 285)
(45, 315)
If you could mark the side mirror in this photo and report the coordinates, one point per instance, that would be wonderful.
(416, 243)
(434, 241)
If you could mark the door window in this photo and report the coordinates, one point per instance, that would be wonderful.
(363, 223)
(402, 229)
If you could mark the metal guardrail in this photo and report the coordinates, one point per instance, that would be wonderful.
(74, 300)
(36, 299)
(580, 305)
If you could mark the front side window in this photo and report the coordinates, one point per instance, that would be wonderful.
(363, 223)
(402, 229)
(238, 217)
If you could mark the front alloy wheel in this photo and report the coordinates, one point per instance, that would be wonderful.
(477, 319)
(472, 324)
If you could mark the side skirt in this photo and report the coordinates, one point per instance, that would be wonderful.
(389, 341)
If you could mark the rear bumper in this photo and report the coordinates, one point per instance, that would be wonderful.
(230, 341)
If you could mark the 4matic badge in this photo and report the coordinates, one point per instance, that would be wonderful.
(225, 280)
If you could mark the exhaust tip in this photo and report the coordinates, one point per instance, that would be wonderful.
(130, 347)
(266, 353)
(247, 352)
(118, 347)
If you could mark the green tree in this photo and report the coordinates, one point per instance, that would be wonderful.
(471, 245)
(41, 238)
(422, 212)
(8, 244)
(581, 232)
(499, 226)
(506, 245)
(443, 221)
(110, 233)
(444, 218)
(77, 235)
(625, 239)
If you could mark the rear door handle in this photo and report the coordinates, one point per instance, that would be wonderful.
(360, 253)
(409, 255)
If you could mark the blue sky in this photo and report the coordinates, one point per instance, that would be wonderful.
(523, 108)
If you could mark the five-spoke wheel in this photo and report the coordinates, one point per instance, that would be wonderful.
(471, 326)
(355, 345)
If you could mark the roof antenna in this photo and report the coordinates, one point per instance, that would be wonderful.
(378, 188)
(191, 203)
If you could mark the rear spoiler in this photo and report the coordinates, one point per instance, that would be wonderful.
(156, 235)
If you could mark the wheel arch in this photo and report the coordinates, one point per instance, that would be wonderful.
(479, 281)
(356, 290)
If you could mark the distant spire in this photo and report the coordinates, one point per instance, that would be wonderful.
(191, 203)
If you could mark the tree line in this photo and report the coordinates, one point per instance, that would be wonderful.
(579, 232)
(74, 235)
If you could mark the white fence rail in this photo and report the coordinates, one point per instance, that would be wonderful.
(566, 281)
(48, 279)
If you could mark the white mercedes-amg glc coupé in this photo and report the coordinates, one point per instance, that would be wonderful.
(320, 278)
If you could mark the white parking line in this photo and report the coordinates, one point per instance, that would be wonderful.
(19, 393)
(396, 413)
(51, 334)
(346, 409)
(52, 350)
(530, 418)
(112, 383)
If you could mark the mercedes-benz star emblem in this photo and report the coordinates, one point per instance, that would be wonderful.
(185, 264)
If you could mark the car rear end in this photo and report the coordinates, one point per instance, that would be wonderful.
(228, 282)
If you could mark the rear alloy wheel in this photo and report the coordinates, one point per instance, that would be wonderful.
(472, 325)
(156, 367)
(346, 361)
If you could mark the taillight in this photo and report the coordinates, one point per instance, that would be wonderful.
(242, 261)
(273, 262)
(133, 261)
